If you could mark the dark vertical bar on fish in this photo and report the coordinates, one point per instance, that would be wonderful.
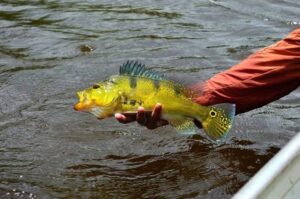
(177, 89)
(156, 84)
(132, 82)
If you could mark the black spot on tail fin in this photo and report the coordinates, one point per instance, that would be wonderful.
(134, 68)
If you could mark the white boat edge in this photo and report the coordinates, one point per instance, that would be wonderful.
(279, 178)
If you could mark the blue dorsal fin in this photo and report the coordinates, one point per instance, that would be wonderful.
(134, 68)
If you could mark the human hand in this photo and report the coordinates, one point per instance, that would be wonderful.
(150, 119)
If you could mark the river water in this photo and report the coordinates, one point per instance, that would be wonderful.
(51, 49)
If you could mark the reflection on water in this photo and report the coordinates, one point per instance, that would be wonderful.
(51, 49)
(191, 173)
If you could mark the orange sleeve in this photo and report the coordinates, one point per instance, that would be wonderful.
(261, 78)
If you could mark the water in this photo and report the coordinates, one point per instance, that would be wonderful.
(51, 49)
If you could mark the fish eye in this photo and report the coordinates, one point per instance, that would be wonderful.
(96, 86)
(213, 113)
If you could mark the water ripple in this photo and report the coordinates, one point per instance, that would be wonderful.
(51, 49)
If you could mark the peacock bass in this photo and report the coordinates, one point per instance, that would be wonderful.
(138, 86)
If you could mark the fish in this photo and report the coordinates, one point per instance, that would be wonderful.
(137, 86)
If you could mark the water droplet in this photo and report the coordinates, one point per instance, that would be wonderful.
(293, 23)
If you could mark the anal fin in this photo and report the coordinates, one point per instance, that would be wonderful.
(184, 126)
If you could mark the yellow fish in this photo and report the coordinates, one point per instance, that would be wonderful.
(138, 86)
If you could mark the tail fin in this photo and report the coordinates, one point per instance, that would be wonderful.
(219, 120)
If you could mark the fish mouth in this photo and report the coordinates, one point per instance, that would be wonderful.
(99, 112)
(87, 105)
(82, 106)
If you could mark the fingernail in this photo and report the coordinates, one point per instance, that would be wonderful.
(140, 108)
(158, 105)
(119, 116)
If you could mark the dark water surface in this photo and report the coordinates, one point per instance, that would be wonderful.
(51, 49)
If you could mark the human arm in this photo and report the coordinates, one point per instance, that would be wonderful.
(263, 77)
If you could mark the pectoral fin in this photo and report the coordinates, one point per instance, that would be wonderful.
(184, 126)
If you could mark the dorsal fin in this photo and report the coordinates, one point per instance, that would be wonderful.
(134, 68)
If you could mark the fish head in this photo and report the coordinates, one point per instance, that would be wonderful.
(100, 100)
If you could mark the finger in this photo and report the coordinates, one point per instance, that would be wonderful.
(156, 113)
(124, 119)
(161, 123)
(155, 117)
(129, 114)
(141, 116)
